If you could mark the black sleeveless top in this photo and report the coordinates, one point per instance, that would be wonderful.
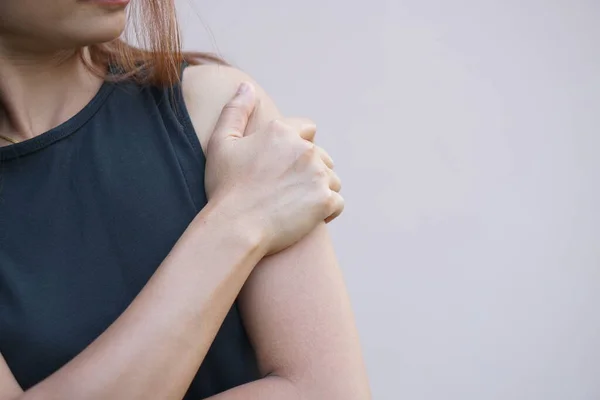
(88, 211)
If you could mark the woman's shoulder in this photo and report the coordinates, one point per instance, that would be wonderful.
(207, 89)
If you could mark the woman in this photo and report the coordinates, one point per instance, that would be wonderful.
(118, 278)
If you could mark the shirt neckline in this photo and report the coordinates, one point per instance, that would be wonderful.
(61, 131)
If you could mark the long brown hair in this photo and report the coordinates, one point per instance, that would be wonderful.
(157, 57)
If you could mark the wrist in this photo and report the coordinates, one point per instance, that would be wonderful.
(227, 219)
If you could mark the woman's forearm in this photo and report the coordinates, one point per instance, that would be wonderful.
(268, 388)
(154, 349)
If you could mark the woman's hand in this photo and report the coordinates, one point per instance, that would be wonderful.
(277, 178)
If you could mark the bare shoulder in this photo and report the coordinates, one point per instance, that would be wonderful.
(206, 90)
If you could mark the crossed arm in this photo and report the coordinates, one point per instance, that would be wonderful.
(294, 306)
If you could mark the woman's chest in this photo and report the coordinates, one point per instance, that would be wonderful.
(79, 238)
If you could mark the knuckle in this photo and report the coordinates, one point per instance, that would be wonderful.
(278, 126)
(309, 148)
(305, 150)
(326, 198)
(233, 106)
(285, 121)
(322, 173)
(233, 110)
(331, 204)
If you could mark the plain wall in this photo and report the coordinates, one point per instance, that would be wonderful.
(467, 135)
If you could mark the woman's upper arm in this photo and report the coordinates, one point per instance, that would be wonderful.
(9, 388)
(295, 305)
(298, 315)
(206, 90)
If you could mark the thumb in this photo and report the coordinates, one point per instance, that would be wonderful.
(236, 113)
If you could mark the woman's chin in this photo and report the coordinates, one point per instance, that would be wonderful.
(101, 31)
(104, 37)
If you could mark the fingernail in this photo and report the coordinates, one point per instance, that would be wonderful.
(243, 88)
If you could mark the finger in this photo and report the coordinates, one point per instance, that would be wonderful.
(254, 122)
(335, 183)
(337, 207)
(236, 113)
(304, 126)
(325, 157)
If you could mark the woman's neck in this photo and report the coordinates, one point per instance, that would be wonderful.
(40, 91)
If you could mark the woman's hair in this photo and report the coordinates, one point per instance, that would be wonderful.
(158, 57)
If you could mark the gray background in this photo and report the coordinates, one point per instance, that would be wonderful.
(467, 135)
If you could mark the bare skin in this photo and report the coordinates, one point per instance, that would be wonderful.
(294, 303)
